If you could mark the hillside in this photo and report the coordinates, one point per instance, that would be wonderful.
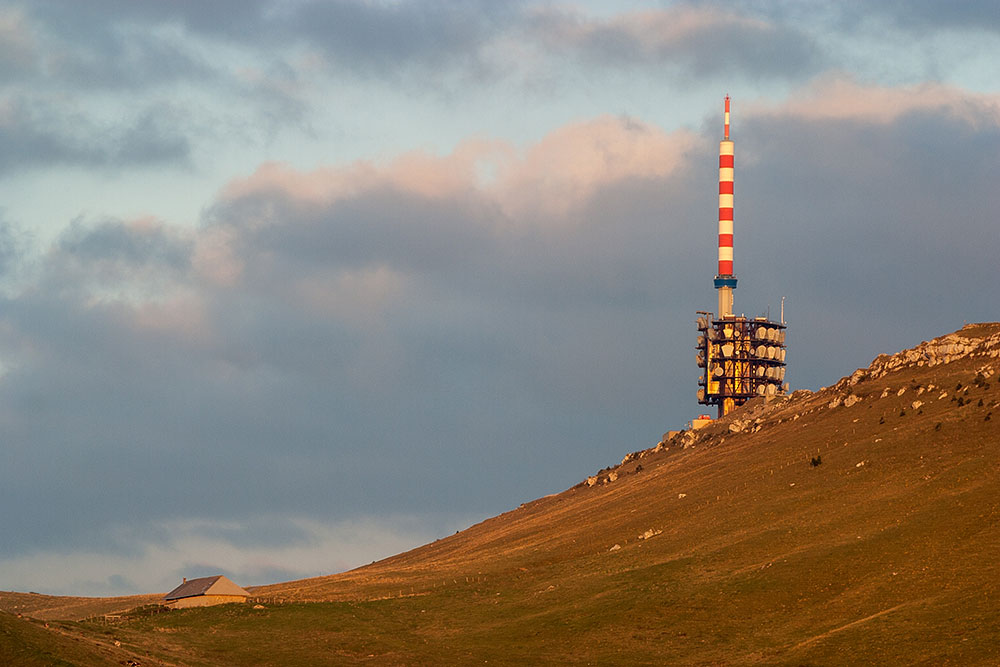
(50, 607)
(27, 643)
(859, 523)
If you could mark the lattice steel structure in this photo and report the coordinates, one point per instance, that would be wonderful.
(741, 358)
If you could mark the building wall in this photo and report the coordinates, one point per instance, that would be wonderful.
(204, 601)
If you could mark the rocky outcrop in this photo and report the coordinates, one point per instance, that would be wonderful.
(943, 350)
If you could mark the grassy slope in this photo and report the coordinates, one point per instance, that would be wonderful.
(49, 607)
(28, 643)
(766, 558)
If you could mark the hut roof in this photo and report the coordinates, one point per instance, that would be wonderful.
(217, 585)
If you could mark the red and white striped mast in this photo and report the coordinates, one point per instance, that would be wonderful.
(725, 281)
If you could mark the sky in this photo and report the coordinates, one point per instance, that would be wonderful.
(288, 286)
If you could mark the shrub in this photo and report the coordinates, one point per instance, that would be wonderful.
(816, 460)
(937, 427)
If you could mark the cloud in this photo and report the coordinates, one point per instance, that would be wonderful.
(698, 41)
(923, 15)
(308, 341)
(18, 50)
(838, 97)
(94, 47)
(387, 37)
(432, 331)
(367, 37)
(43, 132)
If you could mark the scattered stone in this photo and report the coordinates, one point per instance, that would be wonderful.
(630, 457)
(649, 533)
(834, 403)
(901, 391)
(885, 392)
(615, 548)
(851, 400)
(859, 464)
(916, 404)
(591, 481)
(612, 476)
(681, 495)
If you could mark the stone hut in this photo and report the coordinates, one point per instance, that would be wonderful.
(204, 592)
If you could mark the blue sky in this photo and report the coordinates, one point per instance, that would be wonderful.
(286, 287)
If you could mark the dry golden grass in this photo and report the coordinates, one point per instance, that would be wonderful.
(50, 607)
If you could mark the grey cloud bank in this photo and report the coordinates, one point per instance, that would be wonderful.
(337, 354)
(387, 348)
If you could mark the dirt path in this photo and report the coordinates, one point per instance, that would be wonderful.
(856, 623)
